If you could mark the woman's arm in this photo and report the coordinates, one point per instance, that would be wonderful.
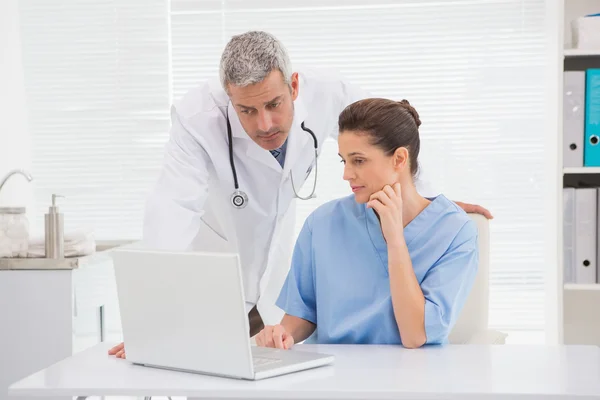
(425, 312)
(407, 298)
(448, 282)
(290, 331)
(297, 298)
(299, 328)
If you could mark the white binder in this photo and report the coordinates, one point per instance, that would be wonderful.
(586, 204)
(569, 235)
(598, 236)
(573, 118)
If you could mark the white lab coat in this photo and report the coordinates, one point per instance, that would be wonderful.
(190, 209)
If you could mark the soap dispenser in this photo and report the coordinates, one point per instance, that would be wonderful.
(55, 246)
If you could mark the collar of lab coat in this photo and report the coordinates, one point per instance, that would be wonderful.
(297, 138)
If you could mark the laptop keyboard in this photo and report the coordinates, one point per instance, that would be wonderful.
(263, 361)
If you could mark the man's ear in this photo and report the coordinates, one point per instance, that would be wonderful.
(295, 86)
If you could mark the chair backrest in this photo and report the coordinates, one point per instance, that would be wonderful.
(474, 316)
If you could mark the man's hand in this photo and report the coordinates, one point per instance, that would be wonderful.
(118, 351)
(474, 208)
(275, 336)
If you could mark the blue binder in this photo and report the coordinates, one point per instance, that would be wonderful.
(591, 151)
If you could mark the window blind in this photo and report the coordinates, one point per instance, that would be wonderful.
(97, 85)
(100, 77)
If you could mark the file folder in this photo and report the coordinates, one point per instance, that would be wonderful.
(597, 235)
(586, 205)
(591, 152)
(569, 235)
(573, 118)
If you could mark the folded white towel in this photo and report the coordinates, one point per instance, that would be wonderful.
(76, 244)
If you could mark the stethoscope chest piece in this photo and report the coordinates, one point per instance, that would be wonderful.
(239, 199)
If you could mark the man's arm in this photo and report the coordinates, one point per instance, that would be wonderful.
(175, 206)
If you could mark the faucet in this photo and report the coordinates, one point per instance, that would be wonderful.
(13, 172)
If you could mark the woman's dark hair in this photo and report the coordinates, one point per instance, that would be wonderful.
(390, 125)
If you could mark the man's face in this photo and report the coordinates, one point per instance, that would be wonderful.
(266, 109)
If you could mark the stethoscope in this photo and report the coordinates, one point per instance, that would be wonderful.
(239, 199)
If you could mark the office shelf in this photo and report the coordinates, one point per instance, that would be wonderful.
(581, 52)
(582, 170)
(576, 312)
(582, 286)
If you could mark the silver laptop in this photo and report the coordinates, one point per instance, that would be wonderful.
(186, 312)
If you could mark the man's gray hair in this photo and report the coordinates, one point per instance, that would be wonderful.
(248, 59)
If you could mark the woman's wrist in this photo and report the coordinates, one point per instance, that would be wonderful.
(300, 329)
(397, 243)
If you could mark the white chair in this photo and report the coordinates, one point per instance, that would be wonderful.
(472, 324)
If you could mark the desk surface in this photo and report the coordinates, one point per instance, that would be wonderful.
(359, 372)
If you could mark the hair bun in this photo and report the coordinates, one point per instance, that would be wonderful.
(406, 105)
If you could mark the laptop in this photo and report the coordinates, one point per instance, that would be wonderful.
(185, 311)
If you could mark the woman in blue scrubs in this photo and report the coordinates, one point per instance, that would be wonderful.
(384, 265)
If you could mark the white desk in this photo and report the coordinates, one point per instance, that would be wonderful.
(360, 372)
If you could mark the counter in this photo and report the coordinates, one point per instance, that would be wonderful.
(51, 309)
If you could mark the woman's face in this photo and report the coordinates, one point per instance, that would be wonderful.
(366, 168)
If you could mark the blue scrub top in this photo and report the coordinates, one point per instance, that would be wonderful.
(339, 275)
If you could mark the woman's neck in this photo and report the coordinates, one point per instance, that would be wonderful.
(412, 202)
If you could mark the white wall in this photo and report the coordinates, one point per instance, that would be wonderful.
(553, 172)
(15, 145)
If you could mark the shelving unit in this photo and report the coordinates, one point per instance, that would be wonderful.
(578, 304)
(581, 53)
(583, 170)
(581, 286)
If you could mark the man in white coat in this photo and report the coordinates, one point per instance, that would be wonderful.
(234, 189)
